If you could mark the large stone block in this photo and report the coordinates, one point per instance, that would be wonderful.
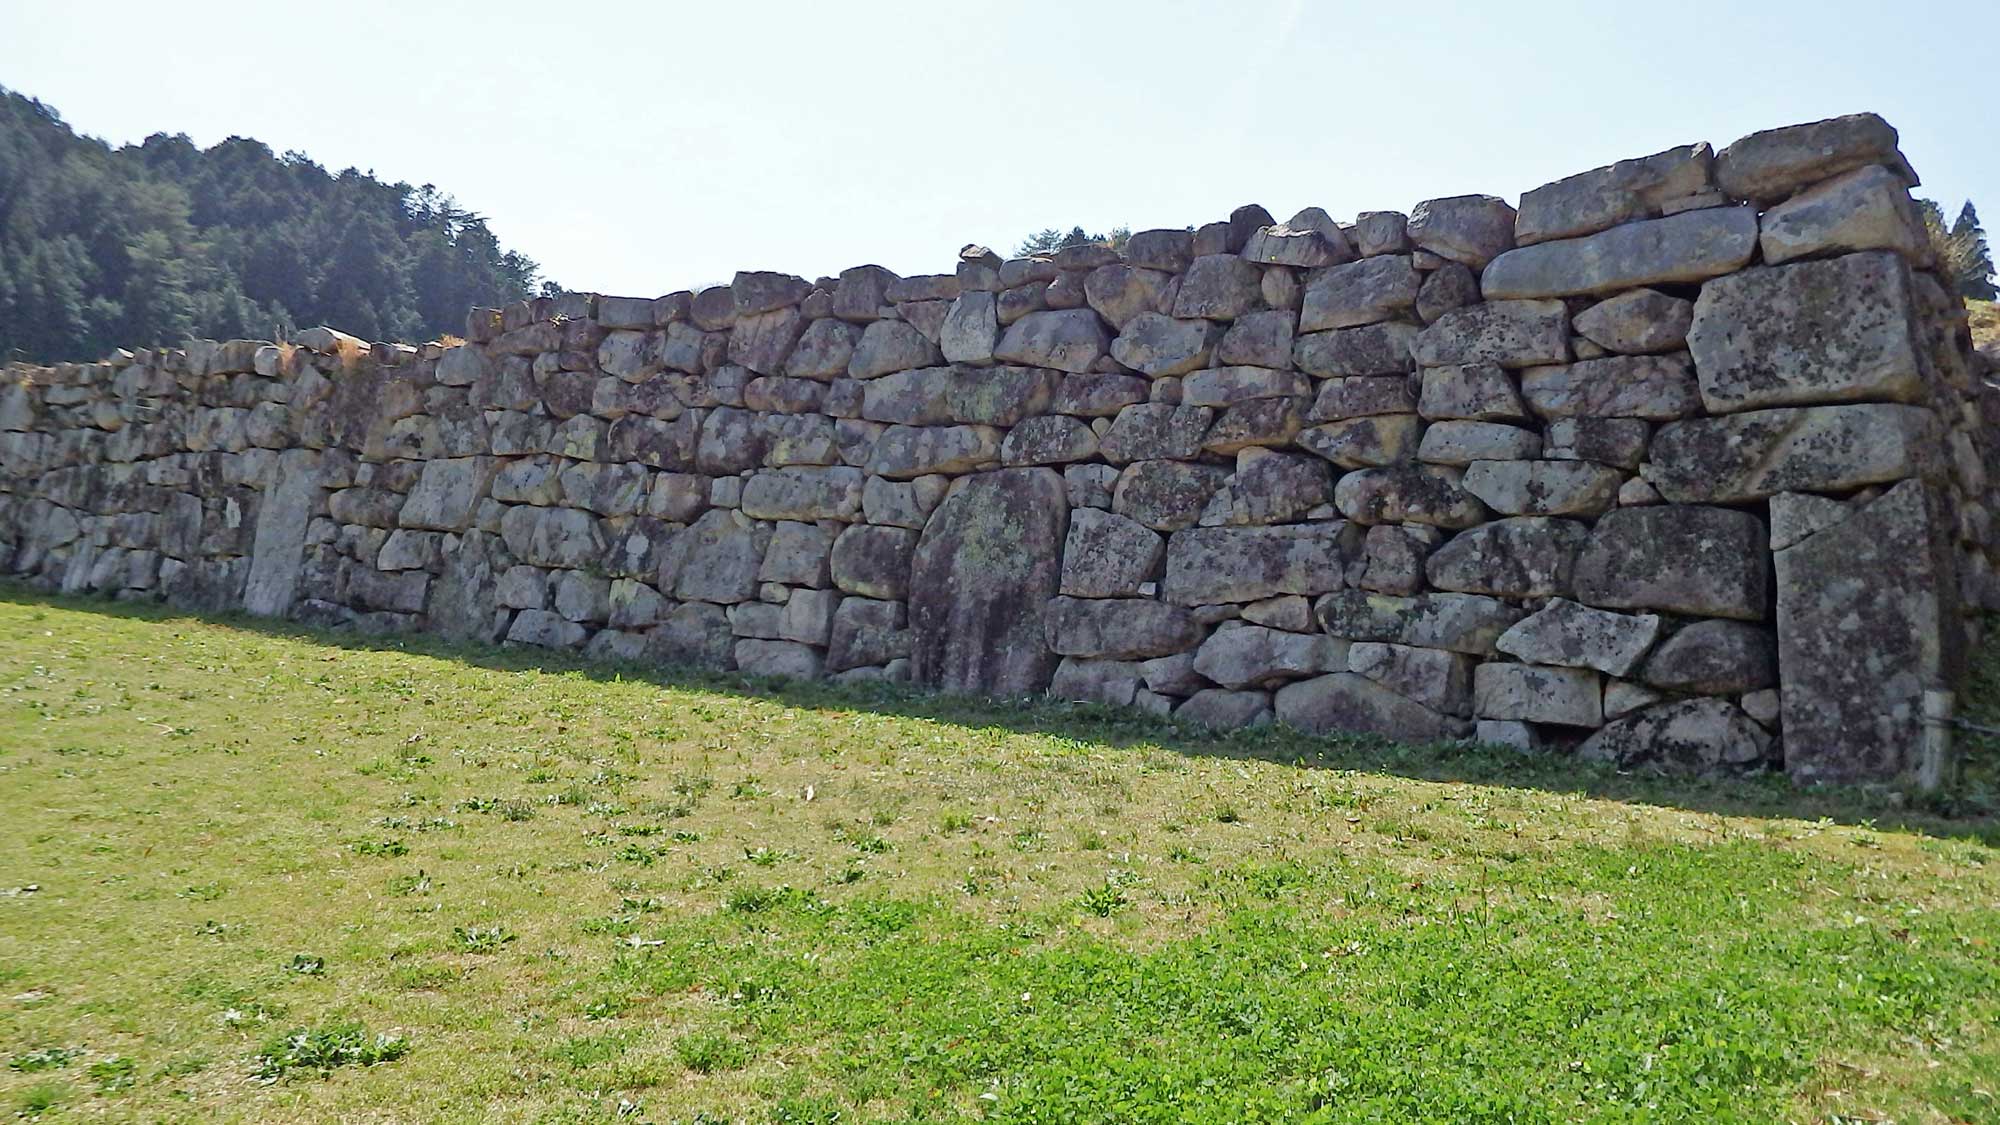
(1691, 736)
(1373, 349)
(1533, 694)
(1707, 562)
(1240, 656)
(1770, 165)
(1867, 624)
(906, 452)
(1064, 339)
(1160, 345)
(447, 491)
(1471, 229)
(1840, 330)
(1358, 293)
(1508, 333)
(873, 561)
(1603, 198)
(1715, 658)
(1467, 623)
(1166, 495)
(1436, 678)
(1689, 247)
(1119, 628)
(1108, 556)
(981, 581)
(719, 557)
(1350, 703)
(1866, 209)
(1527, 557)
(1544, 488)
(1207, 566)
(1742, 457)
(1572, 635)
(1658, 388)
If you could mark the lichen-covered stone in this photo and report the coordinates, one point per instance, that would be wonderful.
(1680, 558)
(1692, 736)
(1749, 456)
(1108, 556)
(1689, 247)
(1573, 635)
(1839, 330)
(980, 583)
(1527, 557)
(1507, 333)
(1715, 658)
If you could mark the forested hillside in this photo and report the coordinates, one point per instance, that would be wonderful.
(155, 242)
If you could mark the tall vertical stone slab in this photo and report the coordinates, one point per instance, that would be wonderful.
(1867, 623)
(988, 562)
(278, 547)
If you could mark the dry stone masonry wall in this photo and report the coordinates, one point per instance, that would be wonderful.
(1684, 462)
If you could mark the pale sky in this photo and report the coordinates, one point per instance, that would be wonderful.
(638, 148)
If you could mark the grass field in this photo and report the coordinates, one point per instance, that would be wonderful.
(251, 874)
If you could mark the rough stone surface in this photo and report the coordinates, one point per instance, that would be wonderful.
(1636, 322)
(1350, 703)
(1715, 658)
(1571, 635)
(1470, 229)
(1528, 557)
(1658, 388)
(1866, 209)
(1703, 561)
(1119, 628)
(980, 582)
(1602, 198)
(1692, 736)
(1689, 247)
(1109, 556)
(1810, 332)
(1532, 694)
(1508, 333)
(1866, 626)
(1749, 456)
(1770, 165)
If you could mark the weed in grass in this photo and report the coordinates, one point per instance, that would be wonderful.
(113, 1073)
(40, 1098)
(387, 848)
(306, 965)
(482, 939)
(707, 1052)
(42, 1058)
(323, 1049)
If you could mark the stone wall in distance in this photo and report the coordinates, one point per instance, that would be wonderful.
(1681, 463)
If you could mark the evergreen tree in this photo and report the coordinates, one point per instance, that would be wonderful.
(151, 243)
(1968, 232)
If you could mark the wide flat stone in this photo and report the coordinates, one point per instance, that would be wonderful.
(1467, 623)
(1658, 388)
(1064, 339)
(1426, 494)
(1544, 488)
(1637, 321)
(1679, 558)
(1358, 293)
(1689, 247)
(1602, 198)
(1574, 635)
(1240, 656)
(1347, 702)
(1737, 458)
(1461, 443)
(1530, 693)
(1694, 736)
(1769, 165)
(1160, 345)
(1508, 333)
(1526, 557)
(1119, 628)
(1840, 330)
(1215, 565)
(1436, 678)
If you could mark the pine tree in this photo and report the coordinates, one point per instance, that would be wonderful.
(1967, 232)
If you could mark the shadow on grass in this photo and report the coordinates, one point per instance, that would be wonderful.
(1968, 813)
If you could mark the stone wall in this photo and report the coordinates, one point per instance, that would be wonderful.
(1684, 462)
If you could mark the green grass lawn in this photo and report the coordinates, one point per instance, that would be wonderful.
(254, 874)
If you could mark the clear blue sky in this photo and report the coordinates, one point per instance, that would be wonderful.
(641, 147)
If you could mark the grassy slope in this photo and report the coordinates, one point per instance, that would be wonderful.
(570, 890)
(1985, 319)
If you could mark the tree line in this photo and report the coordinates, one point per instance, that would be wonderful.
(157, 242)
